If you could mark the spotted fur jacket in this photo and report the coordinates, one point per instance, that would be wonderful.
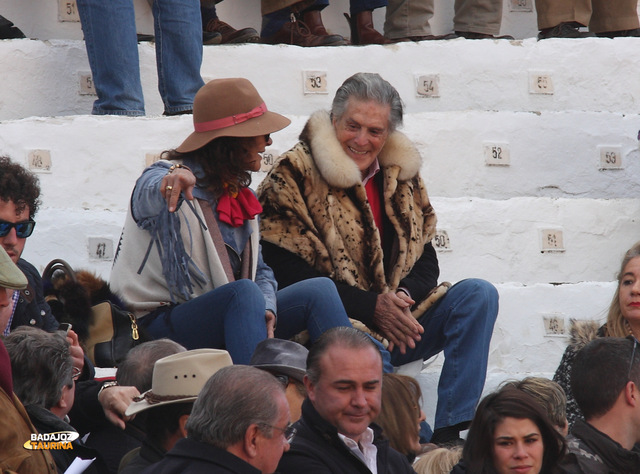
(315, 208)
(581, 333)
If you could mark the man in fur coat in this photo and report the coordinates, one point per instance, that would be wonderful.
(348, 202)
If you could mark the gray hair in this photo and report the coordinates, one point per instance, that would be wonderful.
(137, 368)
(367, 86)
(41, 364)
(344, 336)
(234, 398)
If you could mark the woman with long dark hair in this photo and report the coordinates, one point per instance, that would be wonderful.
(189, 262)
(511, 434)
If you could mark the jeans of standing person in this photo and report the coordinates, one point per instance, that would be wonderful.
(233, 316)
(460, 324)
(112, 47)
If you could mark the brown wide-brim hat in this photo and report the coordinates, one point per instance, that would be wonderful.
(230, 108)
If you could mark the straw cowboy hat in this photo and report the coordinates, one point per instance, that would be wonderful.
(230, 108)
(11, 276)
(282, 357)
(179, 378)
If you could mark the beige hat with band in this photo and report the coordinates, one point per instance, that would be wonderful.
(230, 108)
(179, 378)
(11, 276)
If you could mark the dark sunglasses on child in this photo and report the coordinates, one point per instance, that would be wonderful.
(23, 229)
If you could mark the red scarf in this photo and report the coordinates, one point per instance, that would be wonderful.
(235, 208)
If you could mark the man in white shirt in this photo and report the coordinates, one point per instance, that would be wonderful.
(336, 432)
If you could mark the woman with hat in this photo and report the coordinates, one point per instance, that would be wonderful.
(189, 261)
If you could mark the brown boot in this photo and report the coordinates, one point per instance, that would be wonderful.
(230, 35)
(298, 33)
(362, 30)
(313, 20)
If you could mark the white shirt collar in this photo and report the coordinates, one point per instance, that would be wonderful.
(366, 451)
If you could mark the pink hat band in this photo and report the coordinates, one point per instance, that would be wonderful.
(231, 120)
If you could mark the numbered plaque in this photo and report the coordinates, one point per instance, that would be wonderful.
(39, 160)
(497, 154)
(551, 240)
(315, 82)
(269, 157)
(540, 83)
(610, 157)
(100, 248)
(441, 241)
(428, 85)
(521, 5)
(553, 324)
(68, 11)
(86, 84)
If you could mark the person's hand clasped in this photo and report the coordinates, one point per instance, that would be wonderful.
(394, 320)
(178, 180)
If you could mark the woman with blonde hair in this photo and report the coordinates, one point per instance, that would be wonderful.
(438, 461)
(623, 319)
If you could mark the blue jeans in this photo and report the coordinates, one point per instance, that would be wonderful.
(314, 304)
(232, 316)
(112, 48)
(460, 324)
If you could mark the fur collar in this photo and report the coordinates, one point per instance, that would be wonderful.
(582, 332)
(338, 169)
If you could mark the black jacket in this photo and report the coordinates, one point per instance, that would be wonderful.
(317, 448)
(592, 452)
(47, 422)
(141, 457)
(194, 457)
(32, 309)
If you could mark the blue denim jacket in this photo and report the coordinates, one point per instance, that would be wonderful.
(147, 204)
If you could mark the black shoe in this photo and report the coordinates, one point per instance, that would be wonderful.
(8, 31)
(564, 30)
(143, 38)
(181, 112)
(620, 34)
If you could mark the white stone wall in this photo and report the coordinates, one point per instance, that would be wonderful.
(493, 216)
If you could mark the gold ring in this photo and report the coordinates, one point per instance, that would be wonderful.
(169, 188)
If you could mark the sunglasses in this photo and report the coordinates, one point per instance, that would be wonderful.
(283, 379)
(288, 431)
(23, 229)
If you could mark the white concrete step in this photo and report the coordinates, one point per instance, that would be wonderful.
(496, 218)
(593, 74)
